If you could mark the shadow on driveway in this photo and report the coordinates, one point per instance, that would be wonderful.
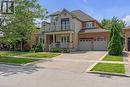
(12, 69)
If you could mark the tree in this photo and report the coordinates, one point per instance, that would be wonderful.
(107, 23)
(21, 25)
(116, 41)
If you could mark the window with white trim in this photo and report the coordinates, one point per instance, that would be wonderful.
(90, 25)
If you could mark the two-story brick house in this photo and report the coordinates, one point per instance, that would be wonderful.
(75, 30)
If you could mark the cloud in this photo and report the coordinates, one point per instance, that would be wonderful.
(127, 19)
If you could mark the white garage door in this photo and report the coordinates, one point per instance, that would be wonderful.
(85, 44)
(98, 44)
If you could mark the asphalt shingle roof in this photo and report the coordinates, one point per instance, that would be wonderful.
(82, 16)
(78, 14)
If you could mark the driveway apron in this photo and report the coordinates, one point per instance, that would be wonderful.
(74, 62)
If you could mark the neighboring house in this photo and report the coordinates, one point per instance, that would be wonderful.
(127, 38)
(44, 25)
(75, 30)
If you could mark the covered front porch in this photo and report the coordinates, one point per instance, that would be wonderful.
(59, 40)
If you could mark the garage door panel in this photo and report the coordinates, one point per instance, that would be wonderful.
(100, 45)
(85, 45)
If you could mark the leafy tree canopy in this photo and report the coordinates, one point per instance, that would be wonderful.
(107, 23)
(20, 26)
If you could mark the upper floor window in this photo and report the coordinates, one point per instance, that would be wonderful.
(90, 25)
(65, 24)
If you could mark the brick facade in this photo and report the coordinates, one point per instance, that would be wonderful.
(94, 35)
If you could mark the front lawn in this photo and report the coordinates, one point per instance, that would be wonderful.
(40, 55)
(113, 58)
(110, 68)
(11, 53)
(29, 54)
(17, 60)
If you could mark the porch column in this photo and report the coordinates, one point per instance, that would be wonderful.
(45, 40)
(71, 40)
(54, 40)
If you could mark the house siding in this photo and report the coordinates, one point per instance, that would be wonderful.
(127, 35)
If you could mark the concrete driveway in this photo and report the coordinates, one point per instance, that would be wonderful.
(75, 62)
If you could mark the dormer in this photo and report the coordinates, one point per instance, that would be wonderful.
(91, 25)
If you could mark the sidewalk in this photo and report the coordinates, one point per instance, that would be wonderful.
(127, 59)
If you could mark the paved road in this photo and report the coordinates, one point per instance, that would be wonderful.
(59, 73)
(35, 77)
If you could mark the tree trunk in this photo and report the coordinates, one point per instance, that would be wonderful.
(21, 46)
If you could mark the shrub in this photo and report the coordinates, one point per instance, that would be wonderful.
(116, 43)
(55, 50)
(39, 48)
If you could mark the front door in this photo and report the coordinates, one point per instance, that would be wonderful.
(65, 41)
(128, 44)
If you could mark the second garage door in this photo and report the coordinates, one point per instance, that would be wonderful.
(91, 44)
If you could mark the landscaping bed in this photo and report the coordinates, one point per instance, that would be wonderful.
(17, 60)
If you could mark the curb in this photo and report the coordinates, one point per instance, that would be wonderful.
(29, 57)
(15, 64)
(107, 73)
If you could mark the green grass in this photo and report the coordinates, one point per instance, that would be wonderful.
(29, 54)
(11, 53)
(40, 55)
(16, 60)
(113, 58)
(110, 68)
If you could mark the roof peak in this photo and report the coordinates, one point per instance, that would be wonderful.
(76, 13)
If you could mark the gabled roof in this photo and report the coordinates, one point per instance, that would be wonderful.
(77, 14)
(81, 15)
(55, 13)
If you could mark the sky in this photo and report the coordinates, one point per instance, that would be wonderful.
(98, 9)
